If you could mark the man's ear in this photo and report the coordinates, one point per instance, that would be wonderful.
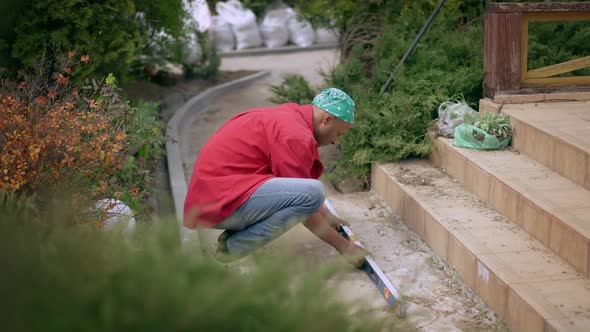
(328, 118)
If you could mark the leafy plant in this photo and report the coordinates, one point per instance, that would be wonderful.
(88, 140)
(132, 182)
(113, 31)
(447, 61)
(208, 63)
(167, 16)
(293, 89)
(57, 276)
(7, 33)
(544, 51)
(52, 132)
(194, 50)
(106, 29)
(494, 124)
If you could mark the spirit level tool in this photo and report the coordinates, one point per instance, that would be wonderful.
(385, 287)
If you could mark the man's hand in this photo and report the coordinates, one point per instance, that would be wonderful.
(332, 220)
(316, 223)
(354, 254)
(335, 222)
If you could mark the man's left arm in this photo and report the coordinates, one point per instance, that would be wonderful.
(333, 220)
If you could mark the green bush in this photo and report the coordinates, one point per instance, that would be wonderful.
(133, 182)
(544, 51)
(87, 139)
(7, 33)
(110, 30)
(167, 16)
(293, 89)
(448, 60)
(194, 50)
(57, 276)
(209, 61)
(107, 30)
(55, 134)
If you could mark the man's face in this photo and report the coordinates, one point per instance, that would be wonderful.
(330, 129)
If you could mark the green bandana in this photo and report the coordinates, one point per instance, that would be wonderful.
(336, 102)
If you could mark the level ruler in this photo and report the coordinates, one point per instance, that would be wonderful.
(385, 287)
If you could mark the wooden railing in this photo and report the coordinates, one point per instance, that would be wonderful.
(506, 47)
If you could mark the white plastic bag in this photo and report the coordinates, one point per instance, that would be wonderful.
(199, 12)
(326, 36)
(451, 114)
(301, 33)
(222, 34)
(274, 27)
(243, 23)
(116, 212)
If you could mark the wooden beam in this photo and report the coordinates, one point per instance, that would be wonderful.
(503, 7)
(524, 47)
(558, 16)
(539, 97)
(502, 56)
(557, 81)
(559, 68)
(513, 50)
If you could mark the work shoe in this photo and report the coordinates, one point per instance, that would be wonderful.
(222, 254)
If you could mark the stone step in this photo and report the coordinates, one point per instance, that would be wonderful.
(526, 284)
(551, 208)
(556, 134)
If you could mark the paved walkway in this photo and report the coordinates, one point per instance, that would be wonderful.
(438, 300)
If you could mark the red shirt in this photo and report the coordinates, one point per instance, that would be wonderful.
(249, 149)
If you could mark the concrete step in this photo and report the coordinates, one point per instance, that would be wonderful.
(551, 208)
(526, 284)
(556, 134)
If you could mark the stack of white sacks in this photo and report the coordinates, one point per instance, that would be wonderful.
(236, 27)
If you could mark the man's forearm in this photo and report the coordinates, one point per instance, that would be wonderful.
(320, 227)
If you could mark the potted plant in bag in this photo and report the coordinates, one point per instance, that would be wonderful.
(488, 131)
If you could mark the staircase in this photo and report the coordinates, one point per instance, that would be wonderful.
(514, 224)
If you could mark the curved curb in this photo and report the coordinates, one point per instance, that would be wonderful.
(176, 174)
(278, 50)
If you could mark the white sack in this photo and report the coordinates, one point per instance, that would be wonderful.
(198, 11)
(243, 23)
(222, 34)
(274, 27)
(326, 36)
(301, 33)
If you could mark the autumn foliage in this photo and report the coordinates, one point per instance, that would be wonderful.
(53, 134)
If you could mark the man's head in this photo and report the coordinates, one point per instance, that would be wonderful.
(333, 115)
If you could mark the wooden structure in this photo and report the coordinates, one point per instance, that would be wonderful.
(506, 47)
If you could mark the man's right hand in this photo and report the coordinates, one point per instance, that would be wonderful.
(354, 254)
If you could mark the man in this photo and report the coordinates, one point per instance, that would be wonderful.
(257, 175)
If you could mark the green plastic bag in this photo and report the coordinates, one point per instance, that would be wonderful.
(464, 137)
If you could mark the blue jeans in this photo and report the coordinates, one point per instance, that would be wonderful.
(273, 209)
